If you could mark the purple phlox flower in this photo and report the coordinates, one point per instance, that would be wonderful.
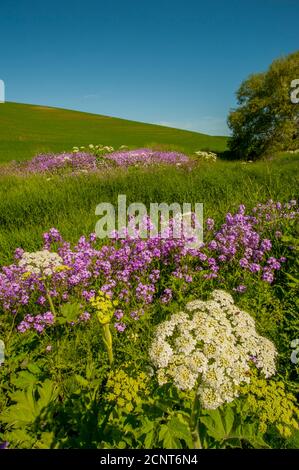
(85, 316)
(240, 289)
(210, 224)
(244, 263)
(266, 245)
(19, 253)
(167, 296)
(213, 245)
(268, 275)
(120, 327)
(118, 314)
(254, 267)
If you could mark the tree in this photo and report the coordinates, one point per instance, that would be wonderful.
(267, 118)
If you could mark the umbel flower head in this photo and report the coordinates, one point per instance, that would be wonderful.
(41, 262)
(125, 390)
(211, 346)
(104, 307)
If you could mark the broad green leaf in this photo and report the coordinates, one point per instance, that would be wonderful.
(173, 432)
(24, 379)
(149, 438)
(34, 368)
(47, 392)
(180, 427)
(249, 432)
(70, 311)
(168, 438)
(219, 423)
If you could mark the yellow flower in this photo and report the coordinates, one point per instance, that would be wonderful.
(26, 276)
(272, 404)
(62, 268)
(125, 390)
(104, 307)
(103, 318)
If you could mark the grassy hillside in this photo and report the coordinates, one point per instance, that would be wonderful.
(28, 129)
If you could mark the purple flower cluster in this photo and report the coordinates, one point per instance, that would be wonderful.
(85, 162)
(240, 239)
(137, 271)
(37, 322)
(145, 157)
(273, 213)
(167, 296)
(55, 162)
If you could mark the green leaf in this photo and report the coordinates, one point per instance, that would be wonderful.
(168, 438)
(219, 423)
(180, 426)
(47, 393)
(24, 379)
(294, 279)
(149, 439)
(28, 407)
(250, 433)
(222, 426)
(81, 381)
(294, 440)
(45, 441)
(34, 368)
(175, 430)
(69, 312)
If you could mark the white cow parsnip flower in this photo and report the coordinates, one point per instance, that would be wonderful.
(212, 345)
(41, 262)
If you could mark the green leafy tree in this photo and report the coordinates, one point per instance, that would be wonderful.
(267, 117)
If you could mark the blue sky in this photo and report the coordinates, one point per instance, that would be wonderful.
(171, 62)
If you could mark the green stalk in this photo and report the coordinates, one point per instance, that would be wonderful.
(52, 308)
(107, 338)
(11, 329)
(193, 423)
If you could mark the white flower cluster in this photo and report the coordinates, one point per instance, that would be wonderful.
(98, 148)
(211, 346)
(207, 156)
(41, 262)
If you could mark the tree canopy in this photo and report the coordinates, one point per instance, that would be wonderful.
(267, 118)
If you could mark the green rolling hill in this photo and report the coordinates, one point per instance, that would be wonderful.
(26, 130)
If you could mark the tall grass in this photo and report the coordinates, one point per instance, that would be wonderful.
(32, 205)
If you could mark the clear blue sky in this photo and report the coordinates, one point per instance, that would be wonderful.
(174, 62)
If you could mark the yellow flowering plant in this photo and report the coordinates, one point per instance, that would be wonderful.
(125, 390)
(104, 308)
(272, 404)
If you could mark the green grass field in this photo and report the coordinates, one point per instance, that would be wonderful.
(26, 130)
(31, 205)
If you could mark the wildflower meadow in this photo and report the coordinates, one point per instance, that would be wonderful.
(148, 342)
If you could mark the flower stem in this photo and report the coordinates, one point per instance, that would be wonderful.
(107, 338)
(194, 423)
(11, 329)
(52, 308)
